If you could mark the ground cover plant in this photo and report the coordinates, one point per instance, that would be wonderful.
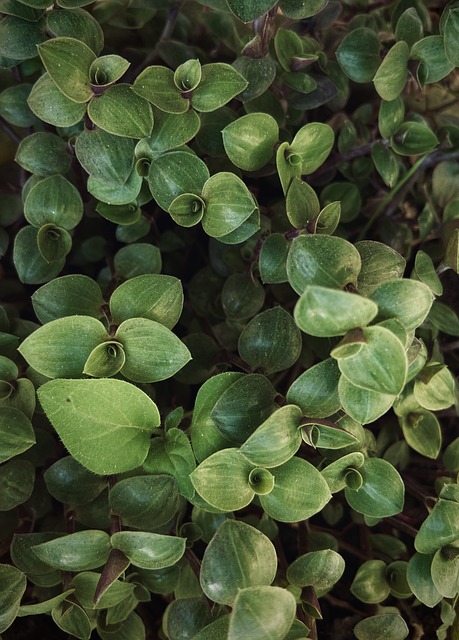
(229, 233)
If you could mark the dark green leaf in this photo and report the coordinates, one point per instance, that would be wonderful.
(17, 480)
(219, 84)
(54, 200)
(156, 84)
(105, 156)
(251, 9)
(229, 203)
(75, 552)
(50, 105)
(67, 296)
(252, 613)
(122, 112)
(358, 54)
(174, 173)
(316, 390)
(44, 154)
(19, 38)
(14, 584)
(16, 433)
(149, 550)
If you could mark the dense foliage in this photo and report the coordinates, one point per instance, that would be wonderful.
(229, 233)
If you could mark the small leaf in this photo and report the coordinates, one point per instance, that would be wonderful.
(271, 341)
(156, 84)
(223, 480)
(451, 35)
(107, 157)
(105, 360)
(251, 9)
(229, 203)
(252, 613)
(382, 491)
(14, 584)
(75, 552)
(299, 492)
(321, 569)
(69, 482)
(152, 351)
(385, 626)
(149, 550)
(16, 433)
(67, 296)
(326, 312)
(273, 259)
(435, 387)
(78, 410)
(152, 296)
(219, 84)
(252, 563)
(54, 200)
(363, 405)
(187, 76)
(67, 60)
(413, 138)
(420, 580)
(370, 584)
(379, 264)
(325, 261)
(358, 54)
(390, 117)
(249, 141)
(391, 76)
(276, 440)
(44, 154)
(313, 144)
(107, 69)
(434, 65)
(122, 112)
(61, 347)
(187, 209)
(302, 203)
(316, 390)
(407, 300)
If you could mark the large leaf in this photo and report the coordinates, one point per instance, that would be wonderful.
(67, 61)
(75, 552)
(108, 158)
(219, 84)
(60, 348)
(149, 550)
(382, 491)
(326, 261)
(358, 54)
(249, 141)
(54, 200)
(391, 76)
(324, 312)
(122, 112)
(67, 296)
(105, 424)
(237, 557)
(407, 300)
(316, 390)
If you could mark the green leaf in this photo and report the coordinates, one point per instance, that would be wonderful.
(379, 365)
(435, 387)
(260, 74)
(407, 300)
(287, 45)
(75, 552)
(152, 351)
(54, 200)
(122, 112)
(171, 130)
(13, 105)
(105, 360)
(287, 168)
(219, 84)
(14, 584)
(358, 54)
(325, 261)
(205, 437)
(187, 209)
(149, 550)
(43, 607)
(249, 141)
(424, 270)
(16, 433)
(19, 38)
(137, 259)
(409, 27)
(132, 628)
(420, 580)
(304, 9)
(385, 163)
(251, 9)
(186, 616)
(363, 405)
(321, 569)
(44, 154)
(76, 23)
(451, 36)
(434, 65)
(156, 84)
(252, 613)
(223, 480)
(173, 455)
(108, 69)
(316, 390)
(391, 76)
(422, 432)
(229, 203)
(145, 502)
(53, 242)
(302, 203)
(324, 312)
(17, 480)
(370, 584)
(67, 296)
(251, 563)
(379, 264)
(61, 347)
(152, 296)
(271, 341)
(299, 492)
(30, 265)
(413, 138)
(85, 584)
(385, 626)
(273, 259)
(104, 156)
(243, 406)
(174, 173)
(439, 529)
(78, 410)
(276, 440)
(382, 491)
(390, 117)
(452, 252)
(67, 61)
(69, 482)
(313, 144)
(444, 570)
